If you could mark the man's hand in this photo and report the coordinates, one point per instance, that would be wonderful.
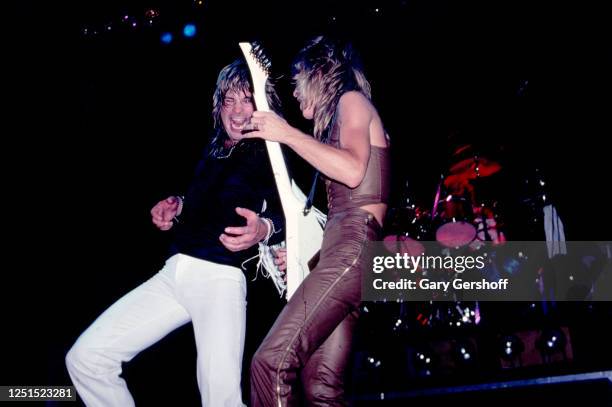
(238, 238)
(164, 211)
(268, 126)
(280, 259)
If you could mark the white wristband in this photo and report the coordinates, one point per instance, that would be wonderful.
(179, 209)
(270, 227)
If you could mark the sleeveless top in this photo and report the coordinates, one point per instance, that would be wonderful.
(375, 186)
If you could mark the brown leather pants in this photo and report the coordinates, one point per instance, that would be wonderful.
(311, 338)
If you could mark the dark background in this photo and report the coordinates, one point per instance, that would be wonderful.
(112, 122)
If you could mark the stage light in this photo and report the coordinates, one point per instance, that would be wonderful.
(166, 38)
(424, 361)
(189, 30)
(374, 362)
(552, 341)
(464, 353)
(511, 347)
(151, 15)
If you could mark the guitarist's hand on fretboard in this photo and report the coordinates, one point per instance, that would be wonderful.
(269, 126)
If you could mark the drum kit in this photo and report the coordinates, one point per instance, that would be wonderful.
(464, 216)
(459, 216)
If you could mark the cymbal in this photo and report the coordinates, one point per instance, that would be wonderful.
(475, 167)
(458, 183)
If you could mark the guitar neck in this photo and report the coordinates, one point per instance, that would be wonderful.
(303, 231)
(277, 160)
(281, 176)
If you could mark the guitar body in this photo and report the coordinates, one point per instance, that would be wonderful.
(303, 231)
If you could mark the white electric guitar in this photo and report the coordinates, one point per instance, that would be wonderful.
(303, 229)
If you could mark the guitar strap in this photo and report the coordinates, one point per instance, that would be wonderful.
(311, 194)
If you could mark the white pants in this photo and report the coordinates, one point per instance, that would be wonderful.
(211, 295)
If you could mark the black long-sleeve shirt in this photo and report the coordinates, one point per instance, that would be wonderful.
(240, 178)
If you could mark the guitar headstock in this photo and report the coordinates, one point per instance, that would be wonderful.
(259, 66)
